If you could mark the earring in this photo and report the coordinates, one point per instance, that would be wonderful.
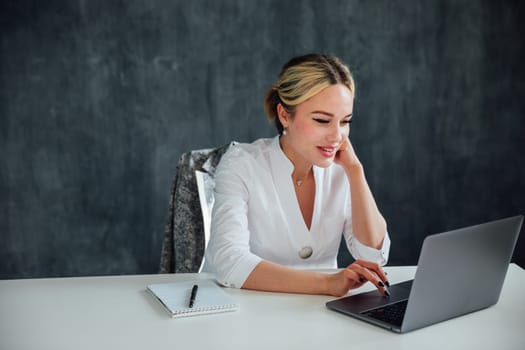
(284, 132)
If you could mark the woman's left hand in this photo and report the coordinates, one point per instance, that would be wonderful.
(346, 156)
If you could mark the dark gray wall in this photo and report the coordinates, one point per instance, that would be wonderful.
(98, 99)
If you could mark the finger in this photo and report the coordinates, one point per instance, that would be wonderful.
(350, 269)
(344, 145)
(372, 268)
(368, 275)
(371, 276)
(376, 268)
(354, 276)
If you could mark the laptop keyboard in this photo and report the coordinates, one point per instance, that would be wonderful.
(392, 314)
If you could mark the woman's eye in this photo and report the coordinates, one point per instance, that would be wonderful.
(346, 122)
(321, 121)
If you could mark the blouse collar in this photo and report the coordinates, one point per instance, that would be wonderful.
(279, 157)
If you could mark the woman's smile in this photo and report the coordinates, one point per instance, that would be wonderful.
(327, 151)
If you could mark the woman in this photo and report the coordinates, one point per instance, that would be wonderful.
(282, 204)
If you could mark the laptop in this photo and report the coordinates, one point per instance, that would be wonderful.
(458, 272)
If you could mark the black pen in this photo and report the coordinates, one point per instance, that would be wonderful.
(193, 294)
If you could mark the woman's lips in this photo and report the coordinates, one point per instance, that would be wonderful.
(327, 152)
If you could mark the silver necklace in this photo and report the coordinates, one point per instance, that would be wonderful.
(301, 181)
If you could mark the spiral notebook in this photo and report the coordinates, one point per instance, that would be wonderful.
(175, 297)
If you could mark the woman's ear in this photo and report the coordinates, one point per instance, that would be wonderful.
(283, 115)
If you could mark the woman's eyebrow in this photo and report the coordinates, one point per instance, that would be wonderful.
(328, 114)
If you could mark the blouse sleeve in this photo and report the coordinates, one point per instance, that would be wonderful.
(228, 251)
(363, 252)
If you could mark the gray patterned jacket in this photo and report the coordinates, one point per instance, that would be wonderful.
(183, 245)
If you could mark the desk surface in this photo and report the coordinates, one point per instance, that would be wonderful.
(116, 312)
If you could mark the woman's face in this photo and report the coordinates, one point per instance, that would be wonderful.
(319, 126)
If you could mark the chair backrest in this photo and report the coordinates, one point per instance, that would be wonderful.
(185, 235)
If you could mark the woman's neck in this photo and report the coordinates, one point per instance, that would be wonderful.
(302, 170)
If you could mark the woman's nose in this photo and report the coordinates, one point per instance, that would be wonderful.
(336, 134)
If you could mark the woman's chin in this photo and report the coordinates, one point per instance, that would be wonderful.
(324, 163)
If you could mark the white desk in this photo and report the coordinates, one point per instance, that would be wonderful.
(117, 313)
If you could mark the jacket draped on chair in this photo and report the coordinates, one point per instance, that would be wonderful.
(184, 240)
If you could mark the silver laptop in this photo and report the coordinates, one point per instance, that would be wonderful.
(458, 272)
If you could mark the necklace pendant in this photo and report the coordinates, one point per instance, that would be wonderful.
(299, 183)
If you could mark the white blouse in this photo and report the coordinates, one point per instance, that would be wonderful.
(256, 216)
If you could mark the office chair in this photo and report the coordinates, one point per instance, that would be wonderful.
(187, 230)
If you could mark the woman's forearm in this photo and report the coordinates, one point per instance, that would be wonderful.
(369, 226)
(271, 277)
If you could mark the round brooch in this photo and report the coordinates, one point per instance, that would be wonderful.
(306, 252)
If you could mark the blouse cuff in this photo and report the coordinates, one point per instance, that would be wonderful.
(363, 252)
(240, 272)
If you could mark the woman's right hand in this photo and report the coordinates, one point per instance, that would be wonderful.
(357, 274)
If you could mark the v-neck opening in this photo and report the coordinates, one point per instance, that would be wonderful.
(287, 194)
(314, 201)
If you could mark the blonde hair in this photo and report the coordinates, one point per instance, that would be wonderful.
(303, 77)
